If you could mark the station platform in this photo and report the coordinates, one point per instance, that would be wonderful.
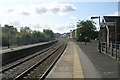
(84, 62)
(13, 48)
(68, 66)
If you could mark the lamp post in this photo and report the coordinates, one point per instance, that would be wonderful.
(98, 17)
(99, 46)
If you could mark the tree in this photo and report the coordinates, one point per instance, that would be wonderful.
(48, 33)
(37, 34)
(25, 32)
(8, 34)
(86, 30)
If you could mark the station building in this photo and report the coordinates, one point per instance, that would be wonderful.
(110, 29)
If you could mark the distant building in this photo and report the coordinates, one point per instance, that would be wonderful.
(73, 34)
(70, 33)
(110, 29)
(66, 35)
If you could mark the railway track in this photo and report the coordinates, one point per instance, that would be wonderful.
(36, 66)
(22, 60)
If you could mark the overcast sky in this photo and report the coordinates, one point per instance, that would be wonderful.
(59, 16)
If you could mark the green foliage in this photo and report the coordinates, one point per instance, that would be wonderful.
(48, 33)
(25, 32)
(86, 30)
(10, 35)
(37, 34)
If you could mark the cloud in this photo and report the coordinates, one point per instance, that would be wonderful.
(10, 10)
(25, 13)
(73, 18)
(65, 27)
(36, 26)
(43, 8)
(14, 23)
(55, 9)
(71, 25)
(67, 8)
(60, 28)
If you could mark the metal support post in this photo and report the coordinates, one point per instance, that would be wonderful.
(116, 38)
(112, 50)
(106, 47)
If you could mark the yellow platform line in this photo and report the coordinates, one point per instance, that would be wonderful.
(77, 69)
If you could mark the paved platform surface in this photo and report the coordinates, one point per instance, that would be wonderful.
(105, 65)
(69, 65)
(85, 62)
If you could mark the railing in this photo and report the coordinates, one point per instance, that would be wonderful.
(112, 49)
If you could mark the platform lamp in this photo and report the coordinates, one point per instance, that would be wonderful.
(97, 17)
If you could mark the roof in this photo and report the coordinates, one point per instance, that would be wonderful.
(112, 19)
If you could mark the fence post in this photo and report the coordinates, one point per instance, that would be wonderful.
(106, 47)
(99, 46)
(102, 47)
(112, 50)
(116, 50)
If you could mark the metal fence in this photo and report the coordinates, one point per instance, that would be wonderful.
(24, 41)
(113, 49)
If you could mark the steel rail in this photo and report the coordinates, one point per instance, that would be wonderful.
(53, 63)
(19, 77)
(18, 63)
